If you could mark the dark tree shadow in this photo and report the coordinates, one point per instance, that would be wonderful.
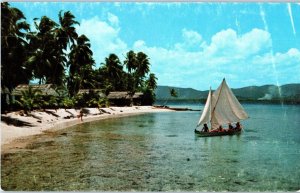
(71, 115)
(85, 111)
(15, 122)
(34, 116)
(51, 113)
(104, 111)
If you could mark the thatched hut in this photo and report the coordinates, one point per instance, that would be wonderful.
(47, 90)
(123, 98)
(99, 92)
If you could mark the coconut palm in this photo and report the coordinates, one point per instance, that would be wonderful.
(142, 68)
(47, 59)
(80, 65)
(173, 93)
(114, 71)
(142, 64)
(13, 44)
(66, 33)
(151, 82)
(130, 61)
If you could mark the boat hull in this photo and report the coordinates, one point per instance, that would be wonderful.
(219, 133)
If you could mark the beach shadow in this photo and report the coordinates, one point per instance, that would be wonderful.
(103, 111)
(51, 113)
(85, 111)
(15, 122)
(34, 116)
(70, 116)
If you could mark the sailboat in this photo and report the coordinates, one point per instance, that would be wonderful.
(221, 107)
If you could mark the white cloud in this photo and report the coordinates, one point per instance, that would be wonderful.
(227, 43)
(104, 37)
(191, 40)
(113, 19)
(244, 60)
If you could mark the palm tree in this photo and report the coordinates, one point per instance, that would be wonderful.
(151, 82)
(173, 93)
(66, 33)
(142, 64)
(114, 71)
(47, 59)
(49, 45)
(138, 67)
(13, 44)
(30, 99)
(149, 90)
(130, 61)
(80, 65)
(142, 68)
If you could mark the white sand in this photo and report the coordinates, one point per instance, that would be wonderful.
(53, 120)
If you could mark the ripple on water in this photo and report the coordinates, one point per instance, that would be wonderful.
(171, 135)
(251, 131)
(37, 145)
(252, 138)
(118, 155)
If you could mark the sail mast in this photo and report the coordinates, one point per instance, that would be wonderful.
(217, 100)
(210, 112)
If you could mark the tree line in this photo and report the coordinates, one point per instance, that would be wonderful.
(54, 53)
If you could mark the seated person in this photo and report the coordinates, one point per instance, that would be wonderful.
(220, 128)
(230, 127)
(205, 128)
(237, 126)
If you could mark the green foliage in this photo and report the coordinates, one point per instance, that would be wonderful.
(173, 93)
(14, 47)
(113, 73)
(31, 99)
(68, 103)
(53, 102)
(151, 82)
(54, 53)
(149, 97)
(81, 74)
(103, 102)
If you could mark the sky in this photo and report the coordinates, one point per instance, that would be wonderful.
(191, 45)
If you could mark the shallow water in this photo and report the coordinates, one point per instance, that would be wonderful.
(160, 152)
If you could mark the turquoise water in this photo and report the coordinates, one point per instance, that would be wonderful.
(160, 152)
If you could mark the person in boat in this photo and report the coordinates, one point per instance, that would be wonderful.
(237, 126)
(220, 128)
(205, 128)
(230, 127)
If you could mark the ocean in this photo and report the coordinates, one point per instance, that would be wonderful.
(160, 152)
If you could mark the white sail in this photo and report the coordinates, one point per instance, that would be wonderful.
(206, 114)
(222, 107)
(225, 107)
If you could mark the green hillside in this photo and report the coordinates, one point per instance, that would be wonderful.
(288, 92)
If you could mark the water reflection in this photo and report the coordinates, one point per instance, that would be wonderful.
(159, 152)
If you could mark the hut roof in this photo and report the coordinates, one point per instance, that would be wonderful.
(46, 89)
(123, 95)
(99, 91)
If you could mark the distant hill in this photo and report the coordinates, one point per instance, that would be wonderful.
(288, 92)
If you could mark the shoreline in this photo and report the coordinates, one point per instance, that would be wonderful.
(17, 129)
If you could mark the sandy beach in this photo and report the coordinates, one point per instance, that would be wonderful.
(15, 127)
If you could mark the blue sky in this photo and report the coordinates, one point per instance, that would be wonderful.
(192, 45)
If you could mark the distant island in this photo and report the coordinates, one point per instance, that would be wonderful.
(288, 94)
